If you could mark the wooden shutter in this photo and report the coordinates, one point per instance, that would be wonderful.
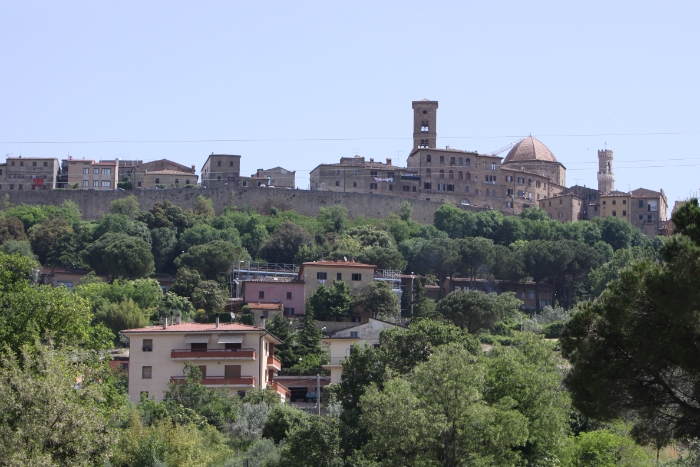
(232, 371)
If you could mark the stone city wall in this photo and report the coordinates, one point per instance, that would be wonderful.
(93, 204)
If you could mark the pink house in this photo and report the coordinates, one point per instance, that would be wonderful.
(287, 291)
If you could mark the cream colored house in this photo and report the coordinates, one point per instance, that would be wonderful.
(341, 343)
(230, 355)
(317, 273)
(91, 175)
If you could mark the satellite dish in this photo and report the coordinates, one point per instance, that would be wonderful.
(233, 316)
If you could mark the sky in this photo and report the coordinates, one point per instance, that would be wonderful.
(297, 84)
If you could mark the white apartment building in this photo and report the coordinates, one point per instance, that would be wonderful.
(229, 355)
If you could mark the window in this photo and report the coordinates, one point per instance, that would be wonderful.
(450, 175)
(12, 187)
(106, 183)
(373, 173)
(614, 202)
(604, 202)
(561, 201)
(468, 161)
(354, 184)
(451, 187)
(339, 276)
(460, 175)
(624, 201)
(441, 187)
(85, 183)
(21, 163)
(357, 277)
(538, 183)
(614, 213)
(337, 183)
(530, 293)
(468, 176)
(487, 192)
(521, 180)
(337, 172)
(414, 189)
(442, 173)
(146, 372)
(428, 173)
(353, 333)
(147, 345)
(321, 275)
(624, 213)
(466, 188)
(406, 188)
(289, 312)
(424, 143)
(442, 159)
(651, 206)
(13, 163)
(177, 181)
(509, 192)
(289, 295)
(372, 186)
(95, 183)
(138, 184)
(96, 171)
(641, 217)
(595, 208)
(355, 319)
(107, 171)
(354, 172)
(86, 171)
(452, 161)
(493, 166)
(232, 371)
(428, 158)
(219, 164)
(650, 218)
(261, 294)
(157, 180)
(390, 175)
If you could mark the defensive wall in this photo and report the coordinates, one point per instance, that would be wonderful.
(94, 203)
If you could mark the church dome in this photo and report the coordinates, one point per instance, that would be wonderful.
(529, 149)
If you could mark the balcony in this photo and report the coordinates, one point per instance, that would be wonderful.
(273, 364)
(221, 381)
(335, 361)
(213, 354)
(275, 386)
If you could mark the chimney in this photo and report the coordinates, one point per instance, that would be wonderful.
(165, 322)
(388, 161)
(217, 321)
(178, 319)
(192, 166)
(371, 159)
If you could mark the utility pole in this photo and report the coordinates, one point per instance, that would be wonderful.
(318, 393)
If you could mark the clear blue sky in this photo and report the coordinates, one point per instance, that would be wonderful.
(577, 75)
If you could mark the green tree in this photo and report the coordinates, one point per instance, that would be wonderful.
(281, 420)
(128, 206)
(475, 254)
(476, 311)
(406, 211)
(506, 263)
(120, 255)
(383, 258)
(308, 336)
(120, 316)
(333, 301)
(114, 223)
(45, 236)
(20, 247)
(204, 207)
(198, 235)
(686, 220)
(439, 416)
(11, 228)
(186, 280)
(333, 219)
(166, 214)
(31, 313)
(281, 329)
(315, 441)
(210, 296)
(211, 258)
(47, 420)
(638, 339)
(369, 236)
(285, 242)
(616, 232)
(603, 448)
(378, 299)
(164, 248)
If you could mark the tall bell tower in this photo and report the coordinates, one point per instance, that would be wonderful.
(606, 177)
(424, 119)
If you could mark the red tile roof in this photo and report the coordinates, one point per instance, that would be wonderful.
(265, 306)
(197, 327)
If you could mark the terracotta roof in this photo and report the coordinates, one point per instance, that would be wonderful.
(197, 327)
(644, 193)
(274, 280)
(170, 172)
(340, 264)
(529, 149)
(265, 306)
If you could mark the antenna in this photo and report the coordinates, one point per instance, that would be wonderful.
(356, 151)
(398, 157)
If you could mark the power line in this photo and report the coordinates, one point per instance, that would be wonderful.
(267, 140)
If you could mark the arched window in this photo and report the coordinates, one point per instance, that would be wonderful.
(487, 192)
(608, 167)
(468, 161)
(461, 161)
(468, 176)
(451, 175)
(427, 172)
(460, 175)
(442, 173)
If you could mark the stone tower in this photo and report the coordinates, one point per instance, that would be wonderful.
(606, 178)
(424, 118)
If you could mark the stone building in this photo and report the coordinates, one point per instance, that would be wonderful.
(276, 177)
(33, 173)
(531, 155)
(90, 174)
(564, 207)
(356, 175)
(167, 179)
(221, 170)
(159, 172)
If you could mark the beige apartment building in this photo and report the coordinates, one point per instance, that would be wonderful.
(233, 356)
(323, 273)
(167, 179)
(28, 173)
(277, 177)
(92, 175)
(221, 170)
(343, 342)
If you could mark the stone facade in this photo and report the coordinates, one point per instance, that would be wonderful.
(606, 177)
(355, 175)
(424, 123)
(564, 208)
(167, 178)
(649, 211)
(276, 177)
(30, 174)
(221, 170)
